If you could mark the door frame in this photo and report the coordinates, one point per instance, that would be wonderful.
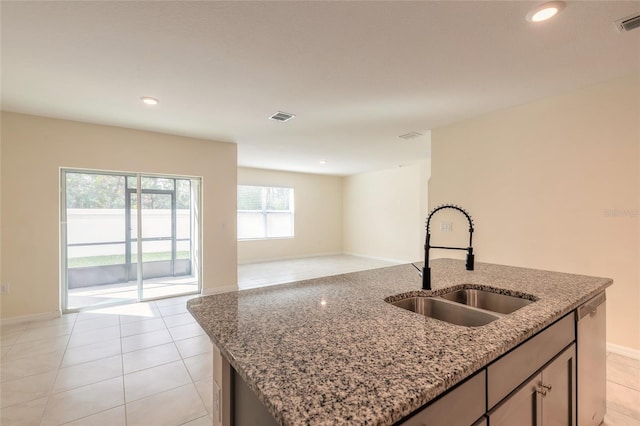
(196, 236)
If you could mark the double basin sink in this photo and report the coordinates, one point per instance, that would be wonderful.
(466, 307)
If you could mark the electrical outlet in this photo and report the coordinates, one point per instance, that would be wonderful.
(446, 226)
(4, 288)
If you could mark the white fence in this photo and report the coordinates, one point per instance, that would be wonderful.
(108, 225)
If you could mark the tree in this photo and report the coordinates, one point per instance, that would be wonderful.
(102, 191)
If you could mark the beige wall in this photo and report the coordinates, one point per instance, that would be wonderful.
(555, 184)
(318, 216)
(33, 151)
(384, 213)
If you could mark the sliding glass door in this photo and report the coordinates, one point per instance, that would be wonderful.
(128, 237)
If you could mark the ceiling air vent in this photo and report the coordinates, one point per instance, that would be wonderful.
(410, 135)
(629, 23)
(281, 116)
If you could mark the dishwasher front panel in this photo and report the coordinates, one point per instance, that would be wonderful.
(592, 361)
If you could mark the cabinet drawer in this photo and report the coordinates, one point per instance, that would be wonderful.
(508, 372)
(459, 407)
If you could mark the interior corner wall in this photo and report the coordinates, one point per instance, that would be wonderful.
(384, 213)
(33, 151)
(317, 216)
(555, 185)
(1, 280)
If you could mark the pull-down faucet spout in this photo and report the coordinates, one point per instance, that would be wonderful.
(426, 270)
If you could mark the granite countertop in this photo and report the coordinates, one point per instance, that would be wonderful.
(331, 351)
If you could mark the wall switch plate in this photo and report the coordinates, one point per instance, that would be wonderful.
(446, 226)
(4, 288)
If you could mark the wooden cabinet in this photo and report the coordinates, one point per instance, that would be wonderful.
(461, 406)
(522, 408)
(481, 422)
(222, 397)
(559, 382)
(532, 385)
(512, 369)
(547, 399)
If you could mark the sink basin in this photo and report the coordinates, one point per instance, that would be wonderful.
(444, 310)
(487, 300)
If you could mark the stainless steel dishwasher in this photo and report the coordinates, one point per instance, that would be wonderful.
(591, 337)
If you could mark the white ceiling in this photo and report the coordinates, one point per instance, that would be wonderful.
(356, 74)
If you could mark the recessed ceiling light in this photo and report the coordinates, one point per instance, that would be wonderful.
(149, 100)
(545, 11)
(323, 162)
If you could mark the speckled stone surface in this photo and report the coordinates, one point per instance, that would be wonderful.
(331, 351)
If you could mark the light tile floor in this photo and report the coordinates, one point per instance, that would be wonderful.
(279, 272)
(623, 391)
(150, 364)
(142, 364)
(94, 296)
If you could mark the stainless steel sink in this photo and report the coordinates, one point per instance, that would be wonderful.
(444, 310)
(487, 300)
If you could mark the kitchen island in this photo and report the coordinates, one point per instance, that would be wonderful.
(333, 351)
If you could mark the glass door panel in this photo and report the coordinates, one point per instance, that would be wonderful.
(183, 219)
(157, 236)
(166, 237)
(131, 256)
(128, 237)
(94, 240)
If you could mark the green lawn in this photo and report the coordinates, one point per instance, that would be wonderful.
(118, 259)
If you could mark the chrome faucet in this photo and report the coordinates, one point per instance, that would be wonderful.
(426, 270)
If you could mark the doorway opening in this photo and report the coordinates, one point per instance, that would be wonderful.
(128, 237)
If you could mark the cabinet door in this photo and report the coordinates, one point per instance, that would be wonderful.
(508, 372)
(559, 382)
(481, 422)
(522, 408)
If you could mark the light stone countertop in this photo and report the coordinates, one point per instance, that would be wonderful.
(331, 351)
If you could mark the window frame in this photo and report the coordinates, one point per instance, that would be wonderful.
(196, 233)
(265, 212)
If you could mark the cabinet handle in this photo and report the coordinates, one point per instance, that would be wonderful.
(547, 387)
(542, 391)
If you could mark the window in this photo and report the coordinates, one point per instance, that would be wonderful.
(264, 212)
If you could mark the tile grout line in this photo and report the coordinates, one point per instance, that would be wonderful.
(629, 389)
(67, 390)
(57, 371)
(620, 413)
(624, 386)
(186, 368)
(124, 395)
(166, 390)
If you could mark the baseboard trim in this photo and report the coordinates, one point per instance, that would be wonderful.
(383, 259)
(275, 259)
(218, 290)
(30, 318)
(623, 350)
